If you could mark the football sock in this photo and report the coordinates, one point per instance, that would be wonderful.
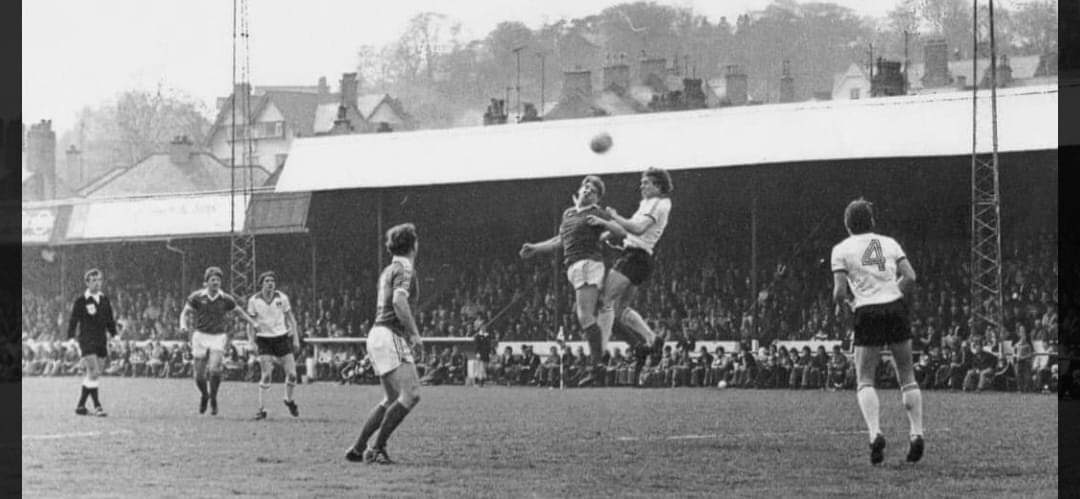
(262, 392)
(85, 392)
(596, 343)
(635, 323)
(606, 321)
(868, 403)
(912, 397)
(94, 397)
(290, 385)
(200, 382)
(395, 414)
(215, 382)
(374, 421)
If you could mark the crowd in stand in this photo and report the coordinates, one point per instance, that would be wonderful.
(694, 295)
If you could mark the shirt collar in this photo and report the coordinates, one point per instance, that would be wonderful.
(95, 296)
(403, 261)
(212, 297)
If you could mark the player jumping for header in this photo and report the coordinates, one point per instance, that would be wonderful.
(867, 263)
(583, 256)
(642, 232)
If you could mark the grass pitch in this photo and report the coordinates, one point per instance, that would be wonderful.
(530, 442)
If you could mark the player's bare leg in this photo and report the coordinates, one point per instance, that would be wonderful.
(911, 396)
(405, 381)
(615, 285)
(866, 362)
(214, 369)
(199, 368)
(266, 373)
(374, 420)
(288, 362)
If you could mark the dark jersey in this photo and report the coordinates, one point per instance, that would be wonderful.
(396, 276)
(92, 317)
(211, 314)
(580, 240)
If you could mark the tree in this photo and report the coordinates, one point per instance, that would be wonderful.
(137, 124)
(1035, 26)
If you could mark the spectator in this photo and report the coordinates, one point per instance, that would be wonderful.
(1022, 360)
(837, 370)
(980, 375)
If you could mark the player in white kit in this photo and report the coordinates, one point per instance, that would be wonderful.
(868, 263)
(276, 341)
(642, 233)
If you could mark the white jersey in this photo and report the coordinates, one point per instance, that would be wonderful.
(653, 211)
(272, 314)
(870, 261)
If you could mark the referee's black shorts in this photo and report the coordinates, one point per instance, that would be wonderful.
(635, 264)
(93, 347)
(277, 346)
(883, 324)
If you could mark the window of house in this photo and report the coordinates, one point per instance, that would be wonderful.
(855, 93)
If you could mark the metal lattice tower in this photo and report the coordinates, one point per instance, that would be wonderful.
(986, 295)
(241, 241)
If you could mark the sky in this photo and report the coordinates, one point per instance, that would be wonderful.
(78, 53)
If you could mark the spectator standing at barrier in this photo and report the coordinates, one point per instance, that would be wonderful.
(482, 343)
(981, 373)
(530, 364)
(1022, 359)
(838, 365)
(90, 321)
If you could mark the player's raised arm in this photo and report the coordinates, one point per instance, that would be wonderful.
(528, 250)
(636, 225)
(613, 228)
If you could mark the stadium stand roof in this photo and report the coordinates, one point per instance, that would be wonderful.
(909, 126)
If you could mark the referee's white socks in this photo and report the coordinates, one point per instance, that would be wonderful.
(871, 408)
(912, 397)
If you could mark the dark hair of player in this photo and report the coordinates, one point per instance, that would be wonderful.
(596, 182)
(91, 273)
(211, 272)
(859, 216)
(264, 275)
(662, 179)
(401, 239)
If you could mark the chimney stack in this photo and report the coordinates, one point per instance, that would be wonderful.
(41, 156)
(74, 168)
(655, 66)
(737, 86)
(617, 78)
(787, 84)
(935, 63)
(577, 84)
(349, 88)
(180, 150)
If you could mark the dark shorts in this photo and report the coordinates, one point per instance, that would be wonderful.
(635, 264)
(880, 325)
(94, 348)
(278, 346)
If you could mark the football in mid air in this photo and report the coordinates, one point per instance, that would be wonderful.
(601, 143)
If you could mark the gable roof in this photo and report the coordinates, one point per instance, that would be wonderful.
(158, 174)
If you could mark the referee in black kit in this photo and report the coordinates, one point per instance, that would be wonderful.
(92, 317)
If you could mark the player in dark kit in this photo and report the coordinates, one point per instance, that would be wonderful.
(390, 346)
(868, 264)
(92, 317)
(582, 255)
(210, 307)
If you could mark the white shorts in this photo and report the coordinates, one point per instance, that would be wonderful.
(586, 272)
(202, 343)
(387, 350)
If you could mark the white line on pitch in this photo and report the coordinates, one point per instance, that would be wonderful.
(750, 435)
(56, 436)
